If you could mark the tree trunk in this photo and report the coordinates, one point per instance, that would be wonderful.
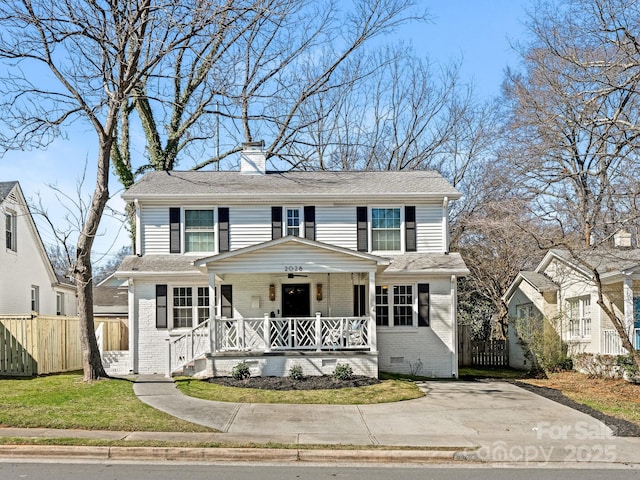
(83, 273)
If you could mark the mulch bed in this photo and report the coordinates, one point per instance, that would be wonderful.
(287, 383)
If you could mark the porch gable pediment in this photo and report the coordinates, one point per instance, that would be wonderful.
(291, 254)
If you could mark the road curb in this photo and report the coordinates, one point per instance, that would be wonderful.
(226, 454)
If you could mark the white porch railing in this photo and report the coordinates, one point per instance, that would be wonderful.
(186, 348)
(611, 344)
(277, 334)
(270, 334)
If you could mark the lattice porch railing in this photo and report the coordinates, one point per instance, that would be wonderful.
(278, 334)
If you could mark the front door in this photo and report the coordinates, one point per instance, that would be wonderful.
(296, 300)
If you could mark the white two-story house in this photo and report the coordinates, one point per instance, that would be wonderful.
(292, 268)
(28, 283)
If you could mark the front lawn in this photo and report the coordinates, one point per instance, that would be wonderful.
(65, 401)
(383, 392)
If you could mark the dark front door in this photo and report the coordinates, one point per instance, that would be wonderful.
(296, 300)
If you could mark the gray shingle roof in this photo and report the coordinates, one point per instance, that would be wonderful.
(407, 263)
(5, 188)
(539, 281)
(606, 260)
(427, 263)
(204, 183)
(159, 264)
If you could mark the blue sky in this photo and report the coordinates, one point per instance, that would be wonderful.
(477, 32)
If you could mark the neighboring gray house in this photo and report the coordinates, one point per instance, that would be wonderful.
(562, 289)
(286, 268)
(28, 282)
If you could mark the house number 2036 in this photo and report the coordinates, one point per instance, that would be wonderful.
(292, 268)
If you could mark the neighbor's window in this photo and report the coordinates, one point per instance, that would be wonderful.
(35, 298)
(579, 313)
(60, 303)
(10, 231)
(385, 229)
(293, 221)
(198, 231)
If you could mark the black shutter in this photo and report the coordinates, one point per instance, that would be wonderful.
(310, 223)
(423, 304)
(276, 222)
(410, 229)
(174, 230)
(223, 229)
(161, 306)
(226, 297)
(363, 241)
(359, 301)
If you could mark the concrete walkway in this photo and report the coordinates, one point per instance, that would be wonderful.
(478, 421)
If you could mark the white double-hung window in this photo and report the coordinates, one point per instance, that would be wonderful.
(386, 231)
(579, 313)
(199, 231)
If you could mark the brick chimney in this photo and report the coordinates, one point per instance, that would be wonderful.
(253, 160)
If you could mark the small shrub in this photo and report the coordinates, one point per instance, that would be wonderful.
(627, 363)
(343, 371)
(296, 373)
(241, 371)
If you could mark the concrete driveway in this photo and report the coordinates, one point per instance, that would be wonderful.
(451, 414)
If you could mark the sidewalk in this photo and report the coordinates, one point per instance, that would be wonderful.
(473, 421)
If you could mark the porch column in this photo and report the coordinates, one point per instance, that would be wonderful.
(627, 289)
(373, 334)
(212, 312)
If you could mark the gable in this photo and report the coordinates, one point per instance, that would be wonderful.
(291, 255)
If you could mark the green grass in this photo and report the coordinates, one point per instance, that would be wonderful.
(65, 401)
(384, 392)
(506, 373)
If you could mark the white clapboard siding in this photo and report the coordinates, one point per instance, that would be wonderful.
(429, 228)
(249, 225)
(155, 230)
(337, 226)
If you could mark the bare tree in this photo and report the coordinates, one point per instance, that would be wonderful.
(81, 61)
(571, 132)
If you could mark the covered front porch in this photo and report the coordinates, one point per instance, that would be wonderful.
(288, 301)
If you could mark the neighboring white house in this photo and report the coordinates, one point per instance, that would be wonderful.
(28, 282)
(562, 290)
(286, 268)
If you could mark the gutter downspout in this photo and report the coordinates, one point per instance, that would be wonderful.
(454, 319)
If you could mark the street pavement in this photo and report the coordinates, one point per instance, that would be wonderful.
(493, 422)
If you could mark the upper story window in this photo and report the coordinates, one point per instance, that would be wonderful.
(386, 229)
(10, 231)
(293, 221)
(579, 312)
(199, 231)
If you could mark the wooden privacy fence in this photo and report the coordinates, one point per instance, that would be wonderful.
(40, 344)
(491, 353)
